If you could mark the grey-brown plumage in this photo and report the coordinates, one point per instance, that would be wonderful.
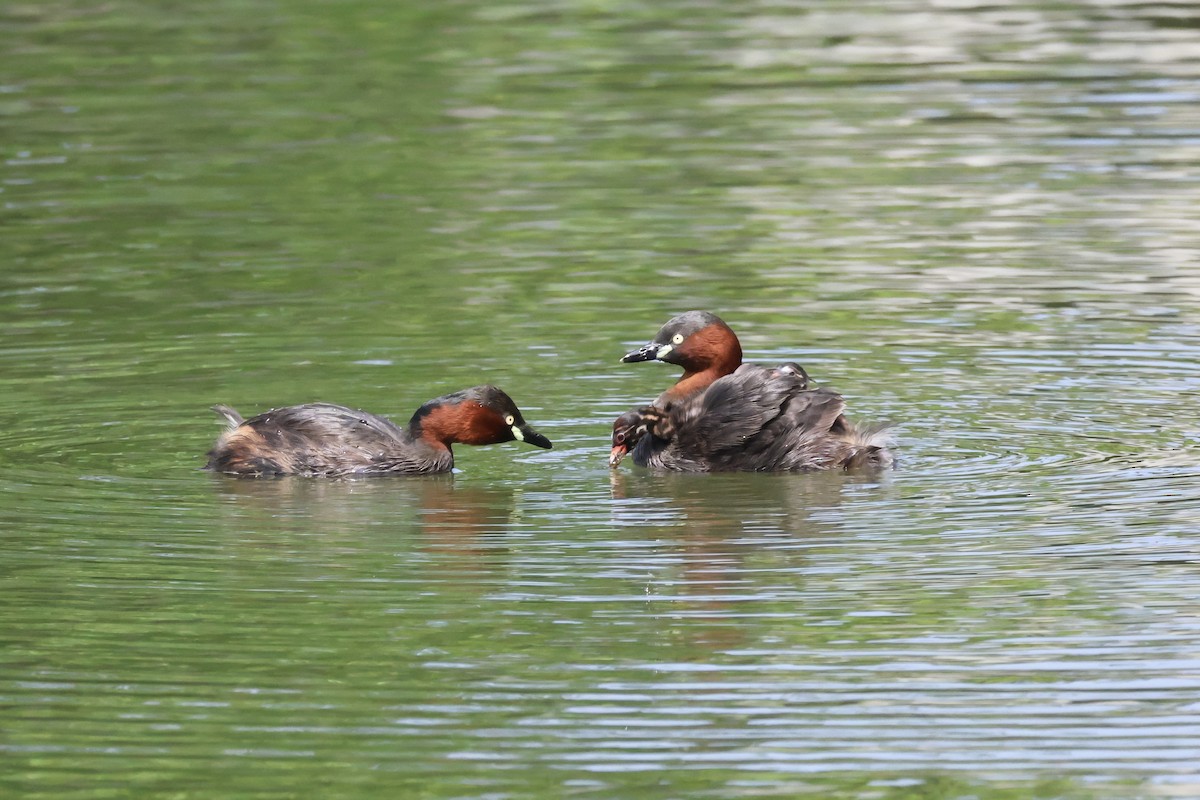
(323, 439)
(758, 419)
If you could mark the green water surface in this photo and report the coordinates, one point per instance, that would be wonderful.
(977, 220)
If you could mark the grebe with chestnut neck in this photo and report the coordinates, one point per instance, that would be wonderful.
(724, 416)
(698, 341)
(326, 440)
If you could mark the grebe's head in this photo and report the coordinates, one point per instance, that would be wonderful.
(628, 429)
(479, 415)
(696, 341)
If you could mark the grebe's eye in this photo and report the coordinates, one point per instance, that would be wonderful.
(510, 419)
(620, 437)
(677, 338)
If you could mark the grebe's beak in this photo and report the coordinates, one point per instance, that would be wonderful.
(617, 455)
(647, 352)
(524, 433)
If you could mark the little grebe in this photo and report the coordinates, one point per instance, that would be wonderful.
(759, 419)
(322, 439)
(722, 415)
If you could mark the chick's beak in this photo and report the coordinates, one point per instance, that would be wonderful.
(618, 453)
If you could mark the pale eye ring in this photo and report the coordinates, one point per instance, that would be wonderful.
(677, 338)
(510, 419)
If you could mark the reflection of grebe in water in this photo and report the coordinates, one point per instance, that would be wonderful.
(731, 504)
(706, 529)
(451, 525)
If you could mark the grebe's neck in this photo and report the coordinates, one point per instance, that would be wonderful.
(711, 354)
